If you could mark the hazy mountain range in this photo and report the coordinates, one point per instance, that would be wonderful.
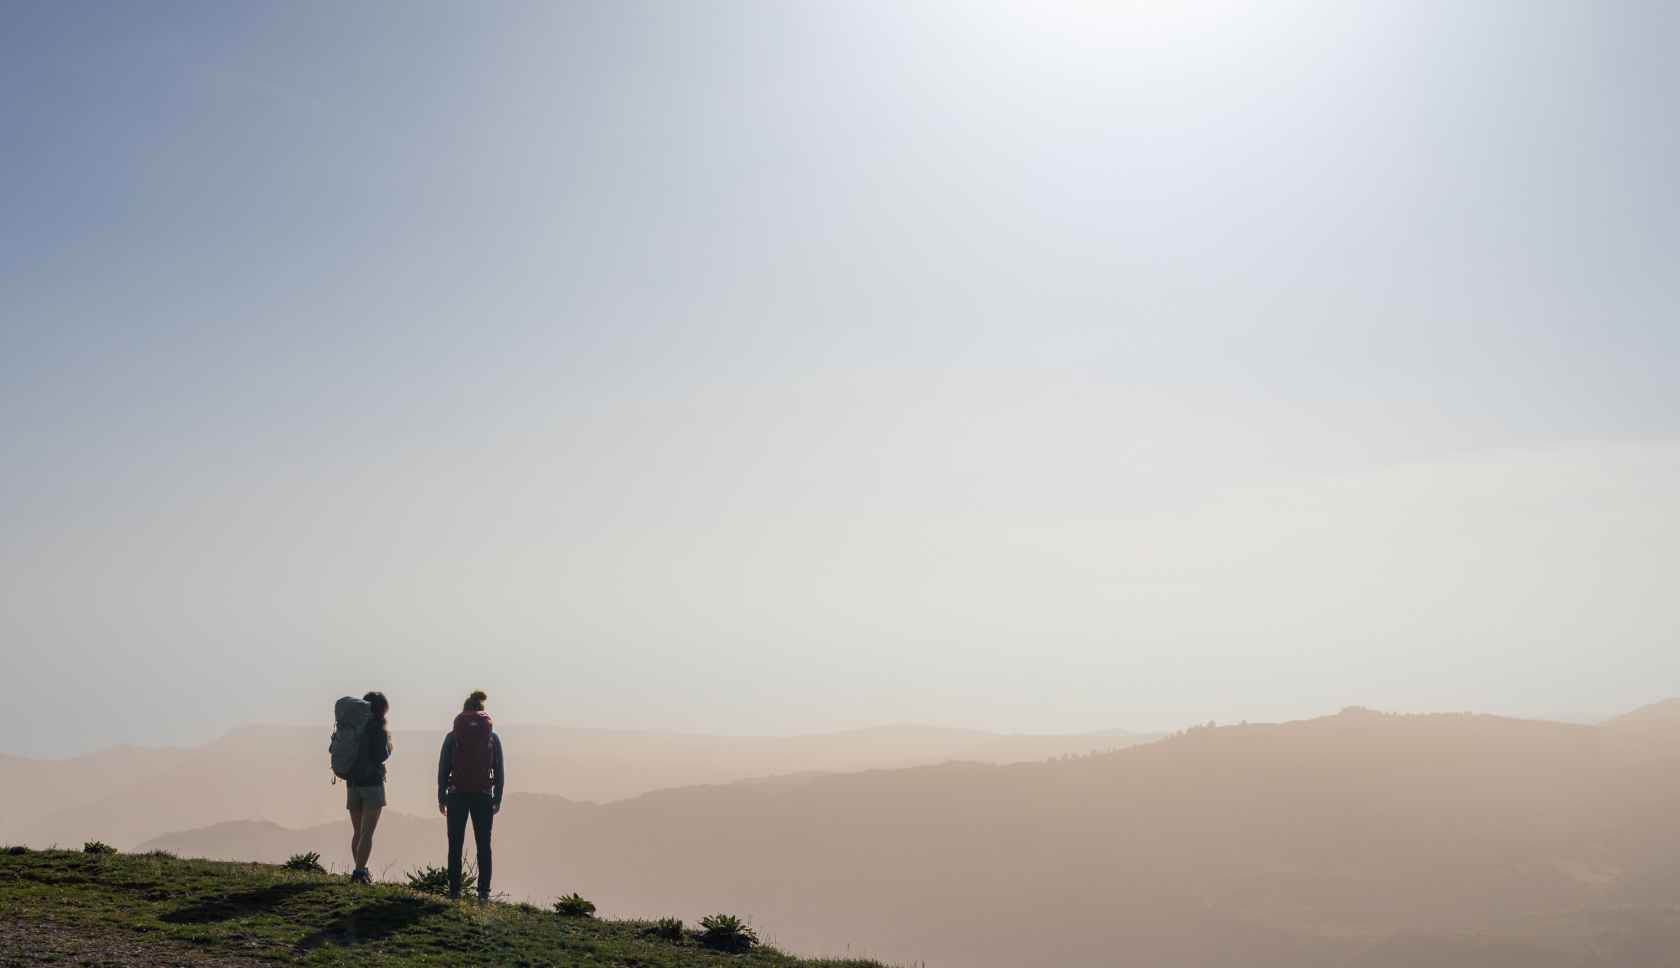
(1361, 840)
(127, 794)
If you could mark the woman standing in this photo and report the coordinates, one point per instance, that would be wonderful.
(470, 784)
(367, 786)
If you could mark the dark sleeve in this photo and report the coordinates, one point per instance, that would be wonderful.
(501, 774)
(445, 762)
(382, 752)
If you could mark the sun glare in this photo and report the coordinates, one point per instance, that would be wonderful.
(1162, 32)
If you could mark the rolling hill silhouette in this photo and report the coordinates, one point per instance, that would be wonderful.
(127, 794)
(35, 789)
(1667, 709)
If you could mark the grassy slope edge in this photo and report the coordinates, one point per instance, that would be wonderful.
(230, 910)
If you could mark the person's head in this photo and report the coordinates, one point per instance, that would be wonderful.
(380, 705)
(475, 702)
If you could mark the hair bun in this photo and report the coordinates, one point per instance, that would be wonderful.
(479, 695)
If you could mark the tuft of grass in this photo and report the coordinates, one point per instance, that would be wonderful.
(435, 880)
(573, 906)
(726, 932)
(161, 910)
(309, 863)
(98, 847)
(667, 929)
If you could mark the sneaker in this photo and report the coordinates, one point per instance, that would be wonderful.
(361, 875)
(483, 900)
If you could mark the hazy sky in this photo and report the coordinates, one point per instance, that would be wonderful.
(770, 367)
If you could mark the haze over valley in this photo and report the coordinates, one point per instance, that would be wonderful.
(127, 794)
(1360, 839)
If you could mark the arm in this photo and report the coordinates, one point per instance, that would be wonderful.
(445, 764)
(501, 774)
(381, 750)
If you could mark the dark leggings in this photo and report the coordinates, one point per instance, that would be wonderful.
(476, 806)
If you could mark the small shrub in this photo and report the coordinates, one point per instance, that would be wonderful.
(97, 847)
(17, 849)
(726, 932)
(435, 880)
(309, 863)
(161, 855)
(573, 906)
(667, 929)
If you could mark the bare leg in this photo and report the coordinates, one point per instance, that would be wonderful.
(364, 846)
(356, 834)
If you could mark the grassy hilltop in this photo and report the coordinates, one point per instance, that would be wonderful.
(71, 908)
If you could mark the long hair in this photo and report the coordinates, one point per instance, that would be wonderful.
(381, 706)
(475, 702)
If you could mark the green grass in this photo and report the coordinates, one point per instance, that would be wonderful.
(269, 914)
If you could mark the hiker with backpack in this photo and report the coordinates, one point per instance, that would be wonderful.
(470, 783)
(361, 743)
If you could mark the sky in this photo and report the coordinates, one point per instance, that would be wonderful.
(765, 368)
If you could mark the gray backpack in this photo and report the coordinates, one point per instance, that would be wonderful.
(350, 717)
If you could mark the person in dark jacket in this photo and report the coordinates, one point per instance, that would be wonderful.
(476, 799)
(367, 787)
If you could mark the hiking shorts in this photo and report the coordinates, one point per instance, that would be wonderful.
(366, 798)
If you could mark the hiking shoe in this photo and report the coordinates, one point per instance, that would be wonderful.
(483, 900)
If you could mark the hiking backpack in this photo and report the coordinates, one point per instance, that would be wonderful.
(351, 717)
(473, 755)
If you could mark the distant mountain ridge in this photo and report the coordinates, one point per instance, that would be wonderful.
(1666, 709)
(31, 789)
(126, 794)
